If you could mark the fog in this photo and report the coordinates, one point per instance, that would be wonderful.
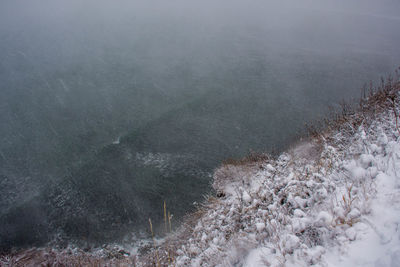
(108, 108)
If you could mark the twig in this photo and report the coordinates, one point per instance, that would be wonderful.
(395, 114)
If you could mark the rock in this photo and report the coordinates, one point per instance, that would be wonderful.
(260, 226)
(351, 234)
(291, 242)
(366, 160)
(298, 213)
(354, 213)
(324, 218)
(357, 173)
(246, 197)
(383, 139)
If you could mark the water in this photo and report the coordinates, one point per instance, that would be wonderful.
(109, 109)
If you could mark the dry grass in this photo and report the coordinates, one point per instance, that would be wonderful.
(373, 101)
(165, 253)
(251, 158)
(64, 258)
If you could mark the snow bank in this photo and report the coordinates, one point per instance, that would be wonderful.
(331, 202)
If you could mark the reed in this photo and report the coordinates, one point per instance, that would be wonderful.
(154, 244)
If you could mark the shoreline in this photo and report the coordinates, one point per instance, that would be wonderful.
(241, 194)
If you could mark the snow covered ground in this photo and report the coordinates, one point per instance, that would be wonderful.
(334, 201)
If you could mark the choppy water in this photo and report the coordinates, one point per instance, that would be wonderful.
(108, 109)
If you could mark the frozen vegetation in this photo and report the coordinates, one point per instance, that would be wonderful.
(331, 201)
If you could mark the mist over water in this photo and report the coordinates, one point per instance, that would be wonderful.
(108, 108)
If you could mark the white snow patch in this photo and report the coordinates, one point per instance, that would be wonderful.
(246, 197)
(260, 226)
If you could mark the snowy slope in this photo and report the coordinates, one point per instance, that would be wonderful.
(334, 201)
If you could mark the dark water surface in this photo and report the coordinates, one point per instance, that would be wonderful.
(108, 108)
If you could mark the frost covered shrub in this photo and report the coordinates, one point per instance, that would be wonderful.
(252, 157)
(350, 116)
